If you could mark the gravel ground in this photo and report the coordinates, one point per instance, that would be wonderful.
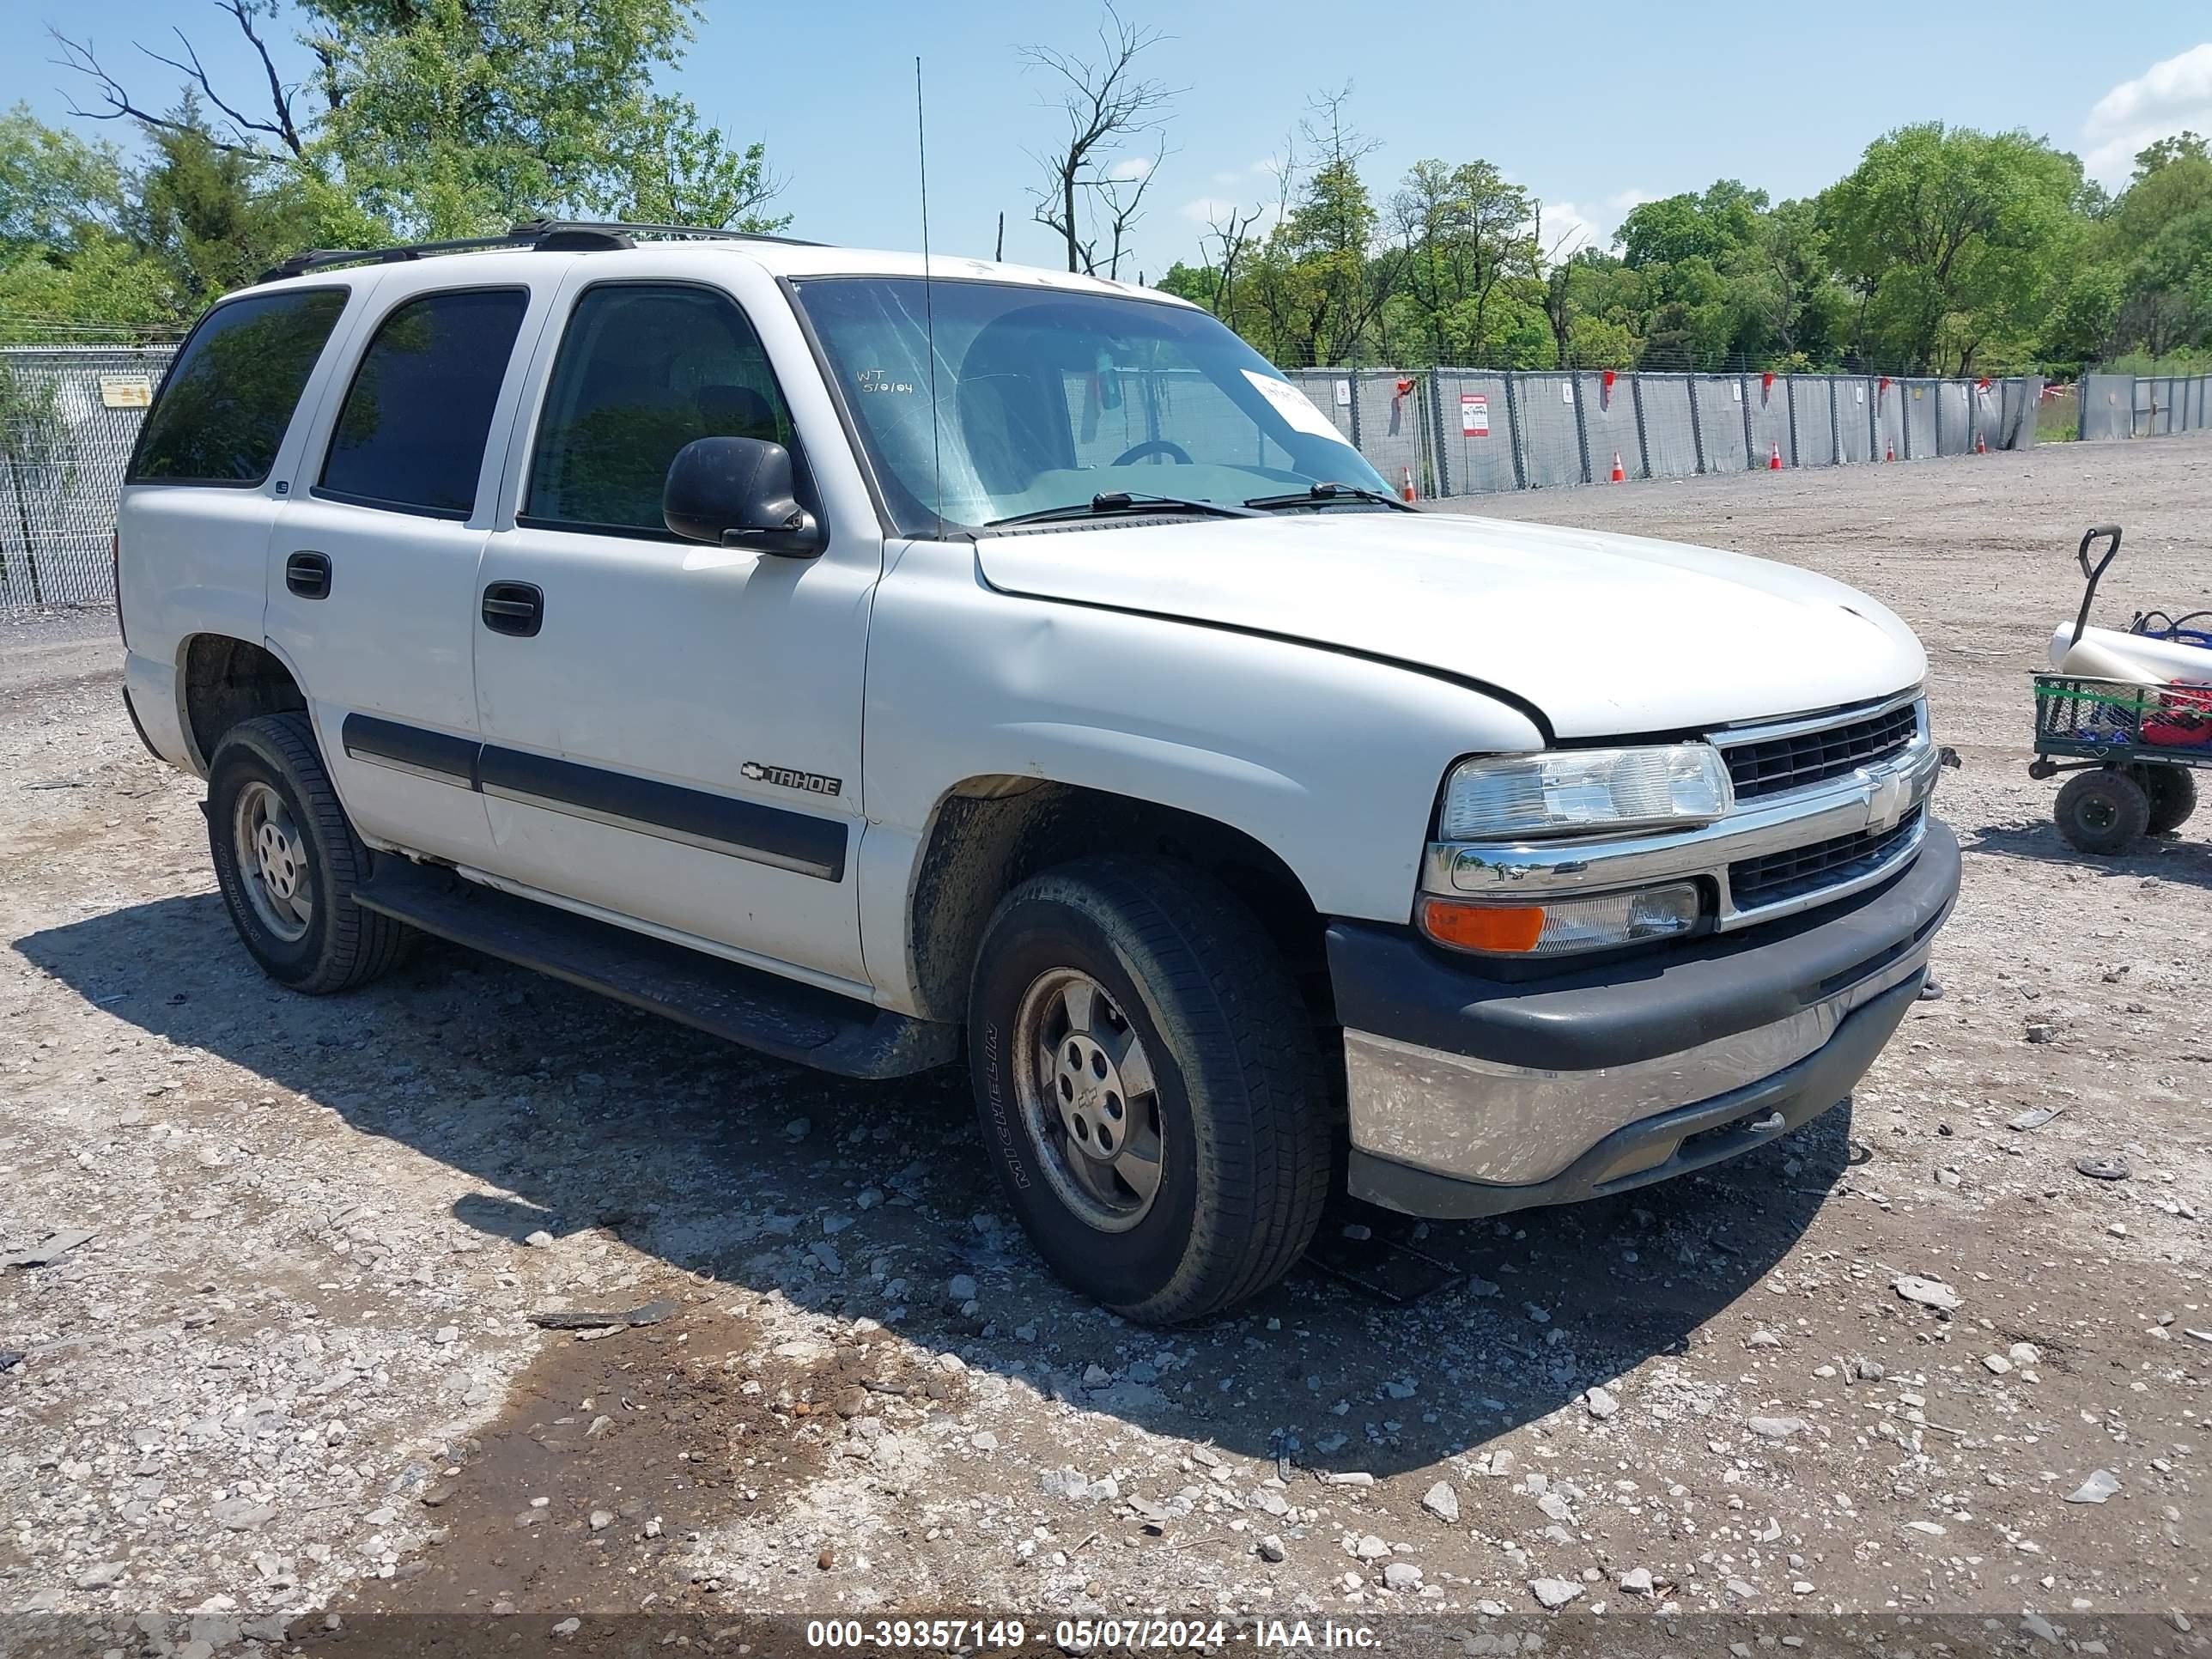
(292, 1377)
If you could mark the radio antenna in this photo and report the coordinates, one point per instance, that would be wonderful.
(929, 307)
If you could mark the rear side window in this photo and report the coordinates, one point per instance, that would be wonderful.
(643, 370)
(230, 395)
(412, 434)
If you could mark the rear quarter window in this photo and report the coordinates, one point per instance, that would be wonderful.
(230, 395)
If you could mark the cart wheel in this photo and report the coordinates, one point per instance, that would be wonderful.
(2102, 811)
(2173, 792)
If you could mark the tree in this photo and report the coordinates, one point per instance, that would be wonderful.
(1232, 232)
(1953, 238)
(1713, 226)
(103, 286)
(1729, 279)
(64, 261)
(1465, 232)
(2082, 315)
(1105, 102)
(447, 117)
(681, 171)
(1317, 282)
(214, 217)
(54, 187)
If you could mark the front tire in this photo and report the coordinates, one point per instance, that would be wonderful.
(2102, 811)
(288, 860)
(1149, 1087)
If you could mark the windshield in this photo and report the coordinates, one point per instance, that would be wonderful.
(1046, 400)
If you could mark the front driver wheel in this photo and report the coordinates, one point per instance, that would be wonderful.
(288, 860)
(1149, 1087)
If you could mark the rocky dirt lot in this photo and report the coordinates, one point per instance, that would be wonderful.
(287, 1377)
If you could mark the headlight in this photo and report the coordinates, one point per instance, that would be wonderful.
(1566, 790)
(1562, 926)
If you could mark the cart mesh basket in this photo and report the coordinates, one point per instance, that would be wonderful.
(2079, 716)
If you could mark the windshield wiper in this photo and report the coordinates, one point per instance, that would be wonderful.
(1120, 501)
(1322, 493)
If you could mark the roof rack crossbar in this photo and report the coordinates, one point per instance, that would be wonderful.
(571, 235)
(635, 228)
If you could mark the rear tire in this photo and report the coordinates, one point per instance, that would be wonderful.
(2173, 792)
(2102, 811)
(1149, 1087)
(288, 861)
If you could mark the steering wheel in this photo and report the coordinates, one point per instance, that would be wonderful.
(1153, 446)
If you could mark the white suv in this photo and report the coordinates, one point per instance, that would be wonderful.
(871, 663)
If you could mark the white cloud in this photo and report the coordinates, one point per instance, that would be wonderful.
(1568, 227)
(1130, 168)
(2171, 94)
(1564, 230)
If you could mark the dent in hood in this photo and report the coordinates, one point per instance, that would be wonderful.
(1607, 634)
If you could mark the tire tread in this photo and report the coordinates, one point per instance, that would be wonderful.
(1211, 970)
(359, 944)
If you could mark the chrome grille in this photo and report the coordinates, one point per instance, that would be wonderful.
(1768, 766)
(1780, 877)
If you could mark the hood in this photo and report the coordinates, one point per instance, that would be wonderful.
(1608, 636)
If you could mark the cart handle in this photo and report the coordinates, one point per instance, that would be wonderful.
(2095, 573)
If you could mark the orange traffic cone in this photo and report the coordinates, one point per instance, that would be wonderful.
(1774, 459)
(1892, 455)
(1981, 447)
(1618, 476)
(1406, 488)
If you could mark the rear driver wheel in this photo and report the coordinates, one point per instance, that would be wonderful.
(2173, 792)
(288, 860)
(1149, 1087)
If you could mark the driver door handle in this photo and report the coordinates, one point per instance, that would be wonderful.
(307, 574)
(516, 609)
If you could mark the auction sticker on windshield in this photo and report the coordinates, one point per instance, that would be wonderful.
(1293, 405)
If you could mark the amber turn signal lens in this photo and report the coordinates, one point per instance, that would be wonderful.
(1513, 928)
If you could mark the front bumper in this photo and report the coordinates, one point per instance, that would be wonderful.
(1472, 1095)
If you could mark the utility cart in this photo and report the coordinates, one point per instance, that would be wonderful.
(2134, 745)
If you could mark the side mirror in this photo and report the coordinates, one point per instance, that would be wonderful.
(737, 492)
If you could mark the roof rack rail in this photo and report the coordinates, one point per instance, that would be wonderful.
(548, 235)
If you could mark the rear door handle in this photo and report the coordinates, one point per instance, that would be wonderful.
(307, 574)
(514, 608)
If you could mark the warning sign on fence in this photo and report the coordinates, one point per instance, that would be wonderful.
(1473, 415)
(126, 390)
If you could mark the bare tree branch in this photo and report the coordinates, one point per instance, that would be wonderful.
(80, 57)
(1123, 199)
(1105, 101)
(280, 95)
(1235, 237)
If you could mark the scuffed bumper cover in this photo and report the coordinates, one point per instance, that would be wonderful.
(1464, 1077)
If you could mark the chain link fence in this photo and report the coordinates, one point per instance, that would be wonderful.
(2144, 405)
(69, 416)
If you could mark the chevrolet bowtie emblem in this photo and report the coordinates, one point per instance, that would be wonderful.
(786, 777)
(1886, 801)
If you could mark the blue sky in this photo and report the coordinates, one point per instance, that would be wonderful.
(1593, 106)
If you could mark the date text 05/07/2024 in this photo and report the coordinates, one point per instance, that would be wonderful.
(1084, 1635)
